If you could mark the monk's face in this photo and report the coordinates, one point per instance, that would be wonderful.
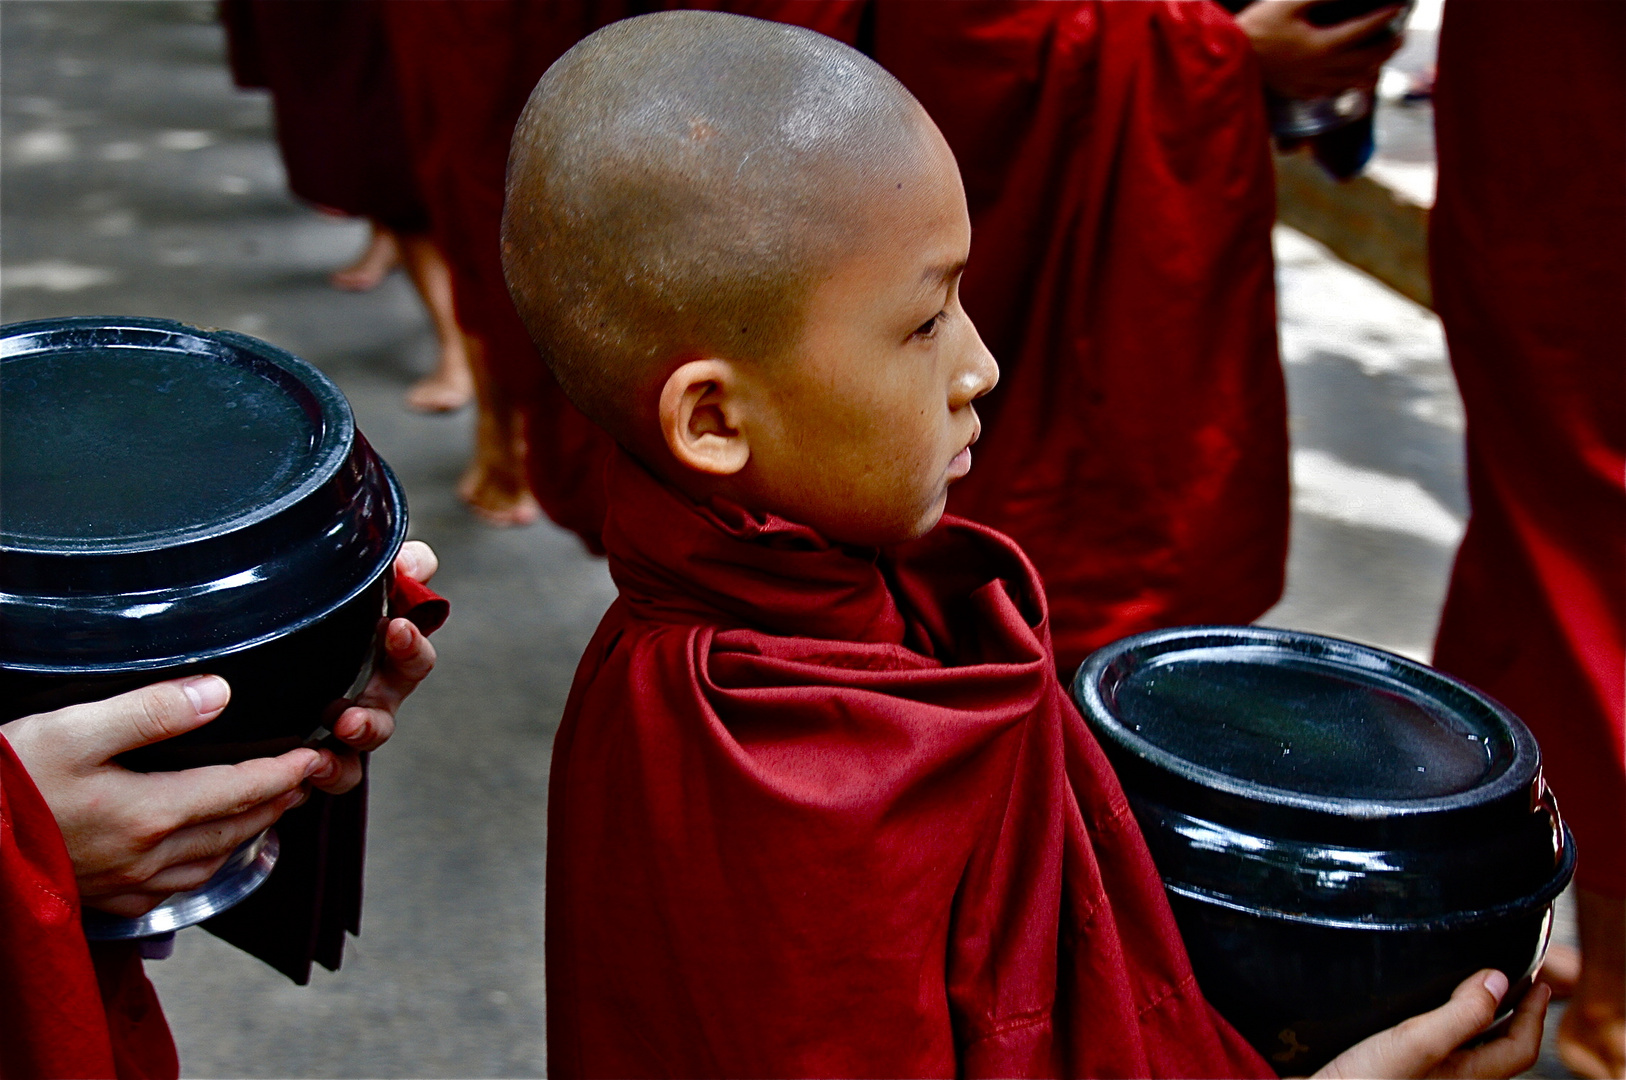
(873, 415)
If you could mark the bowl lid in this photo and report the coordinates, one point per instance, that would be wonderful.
(168, 492)
(1299, 721)
(147, 434)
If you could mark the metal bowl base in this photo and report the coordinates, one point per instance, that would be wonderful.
(245, 871)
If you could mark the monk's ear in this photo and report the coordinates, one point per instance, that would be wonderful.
(700, 417)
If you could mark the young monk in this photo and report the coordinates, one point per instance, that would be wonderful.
(819, 806)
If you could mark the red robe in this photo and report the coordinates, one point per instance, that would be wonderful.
(67, 1009)
(338, 113)
(819, 811)
(1117, 168)
(1529, 260)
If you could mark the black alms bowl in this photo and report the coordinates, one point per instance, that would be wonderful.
(1344, 834)
(175, 500)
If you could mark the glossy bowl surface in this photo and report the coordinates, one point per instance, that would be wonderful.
(175, 500)
(1344, 834)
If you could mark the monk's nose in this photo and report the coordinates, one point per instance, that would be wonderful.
(979, 373)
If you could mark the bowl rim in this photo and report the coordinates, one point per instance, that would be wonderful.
(1514, 778)
(22, 339)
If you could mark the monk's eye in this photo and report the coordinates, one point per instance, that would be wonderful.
(929, 327)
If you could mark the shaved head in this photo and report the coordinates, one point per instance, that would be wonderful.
(677, 184)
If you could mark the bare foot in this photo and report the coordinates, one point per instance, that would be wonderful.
(452, 384)
(444, 391)
(496, 499)
(1592, 1046)
(1592, 1035)
(372, 266)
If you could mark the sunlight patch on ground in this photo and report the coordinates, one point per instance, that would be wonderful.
(1329, 488)
(55, 275)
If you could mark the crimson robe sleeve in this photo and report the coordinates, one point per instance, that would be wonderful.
(67, 1009)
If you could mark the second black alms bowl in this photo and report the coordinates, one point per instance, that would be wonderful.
(175, 501)
(1344, 834)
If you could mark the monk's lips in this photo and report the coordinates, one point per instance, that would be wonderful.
(1344, 834)
(175, 501)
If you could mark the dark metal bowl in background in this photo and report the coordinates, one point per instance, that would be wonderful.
(1344, 834)
(176, 500)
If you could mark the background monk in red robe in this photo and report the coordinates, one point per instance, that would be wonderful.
(465, 70)
(1529, 261)
(339, 127)
(78, 830)
(819, 805)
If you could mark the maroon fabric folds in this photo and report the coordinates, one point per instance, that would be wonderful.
(67, 1009)
(338, 114)
(1117, 167)
(818, 811)
(1529, 260)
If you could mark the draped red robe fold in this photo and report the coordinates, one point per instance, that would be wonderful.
(1529, 260)
(1117, 169)
(818, 811)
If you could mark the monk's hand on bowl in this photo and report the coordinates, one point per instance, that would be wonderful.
(1433, 1044)
(135, 838)
(408, 659)
(1302, 60)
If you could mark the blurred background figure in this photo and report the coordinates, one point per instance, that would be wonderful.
(465, 71)
(1528, 251)
(338, 121)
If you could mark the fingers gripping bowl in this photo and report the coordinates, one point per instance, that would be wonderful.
(1344, 834)
(175, 501)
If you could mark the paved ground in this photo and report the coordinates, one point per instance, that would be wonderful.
(137, 181)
